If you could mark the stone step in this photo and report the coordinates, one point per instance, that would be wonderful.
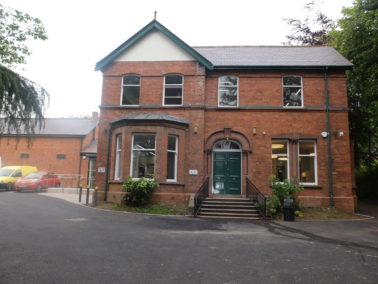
(207, 201)
(243, 206)
(231, 217)
(231, 210)
(226, 214)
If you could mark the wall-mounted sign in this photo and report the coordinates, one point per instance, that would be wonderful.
(193, 172)
(101, 169)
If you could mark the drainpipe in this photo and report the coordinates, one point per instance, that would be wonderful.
(329, 140)
(106, 185)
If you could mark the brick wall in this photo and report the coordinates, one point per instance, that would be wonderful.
(260, 99)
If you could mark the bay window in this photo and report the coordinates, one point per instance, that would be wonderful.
(143, 155)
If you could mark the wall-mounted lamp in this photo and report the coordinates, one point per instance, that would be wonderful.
(84, 157)
(254, 131)
(264, 133)
(338, 133)
(195, 129)
(324, 134)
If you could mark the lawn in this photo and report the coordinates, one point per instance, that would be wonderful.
(326, 213)
(150, 209)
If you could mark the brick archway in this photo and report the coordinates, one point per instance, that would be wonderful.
(228, 134)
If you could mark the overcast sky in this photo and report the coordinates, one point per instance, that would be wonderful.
(83, 32)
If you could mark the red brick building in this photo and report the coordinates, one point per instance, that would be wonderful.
(65, 146)
(231, 114)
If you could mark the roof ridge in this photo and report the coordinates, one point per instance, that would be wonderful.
(275, 46)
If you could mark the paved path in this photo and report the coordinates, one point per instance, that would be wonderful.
(48, 240)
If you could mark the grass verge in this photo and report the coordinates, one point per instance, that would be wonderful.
(326, 213)
(150, 209)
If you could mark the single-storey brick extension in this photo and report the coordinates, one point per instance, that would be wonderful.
(225, 118)
(65, 146)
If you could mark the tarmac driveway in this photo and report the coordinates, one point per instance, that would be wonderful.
(48, 240)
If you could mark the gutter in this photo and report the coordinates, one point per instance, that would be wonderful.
(329, 140)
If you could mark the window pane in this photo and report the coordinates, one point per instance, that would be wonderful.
(172, 101)
(143, 163)
(228, 81)
(228, 96)
(144, 141)
(279, 167)
(130, 95)
(171, 165)
(292, 81)
(173, 79)
(131, 80)
(279, 148)
(173, 92)
(172, 143)
(307, 169)
(306, 148)
(292, 96)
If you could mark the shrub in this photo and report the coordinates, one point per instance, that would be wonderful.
(138, 192)
(366, 181)
(281, 190)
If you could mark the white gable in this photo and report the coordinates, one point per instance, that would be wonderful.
(155, 46)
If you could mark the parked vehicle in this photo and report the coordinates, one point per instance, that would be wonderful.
(38, 181)
(11, 174)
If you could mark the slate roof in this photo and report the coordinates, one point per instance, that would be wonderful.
(242, 57)
(64, 127)
(152, 117)
(91, 148)
(273, 56)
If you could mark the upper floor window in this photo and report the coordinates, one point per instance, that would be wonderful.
(143, 155)
(130, 89)
(292, 91)
(173, 85)
(228, 91)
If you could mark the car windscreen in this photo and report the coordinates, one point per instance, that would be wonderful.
(5, 172)
(34, 175)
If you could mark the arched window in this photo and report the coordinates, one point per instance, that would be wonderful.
(226, 145)
(228, 91)
(130, 89)
(173, 89)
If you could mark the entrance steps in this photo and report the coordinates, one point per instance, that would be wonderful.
(229, 208)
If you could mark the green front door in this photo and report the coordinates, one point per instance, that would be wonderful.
(227, 173)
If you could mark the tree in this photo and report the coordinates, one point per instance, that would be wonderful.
(22, 101)
(370, 4)
(312, 31)
(357, 40)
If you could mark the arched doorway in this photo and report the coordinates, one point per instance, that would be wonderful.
(227, 168)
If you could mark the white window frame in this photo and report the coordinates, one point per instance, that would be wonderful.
(130, 85)
(132, 152)
(295, 86)
(237, 90)
(287, 155)
(176, 154)
(173, 86)
(118, 157)
(315, 162)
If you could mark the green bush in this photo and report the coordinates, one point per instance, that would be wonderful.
(281, 190)
(366, 181)
(138, 191)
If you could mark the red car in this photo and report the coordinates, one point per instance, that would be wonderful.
(37, 181)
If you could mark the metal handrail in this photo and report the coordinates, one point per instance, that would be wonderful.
(201, 194)
(256, 195)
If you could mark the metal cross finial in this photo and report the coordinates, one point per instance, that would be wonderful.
(155, 15)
